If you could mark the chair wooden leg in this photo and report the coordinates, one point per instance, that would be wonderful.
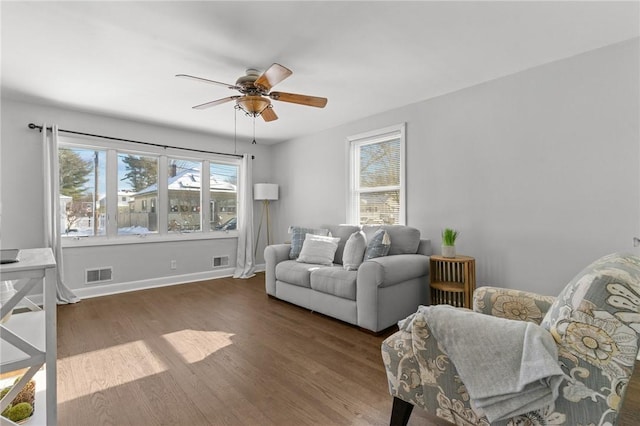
(400, 412)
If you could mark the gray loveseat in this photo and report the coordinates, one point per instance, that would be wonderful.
(381, 292)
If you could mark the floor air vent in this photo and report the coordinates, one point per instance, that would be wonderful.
(98, 275)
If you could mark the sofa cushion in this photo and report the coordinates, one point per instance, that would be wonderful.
(335, 281)
(298, 234)
(318, 249)
(354, 250)
(378, 245)
(404, 239)
(296, 273)
(343, 232)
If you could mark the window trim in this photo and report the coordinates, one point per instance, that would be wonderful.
(112, 149)
(353, 145)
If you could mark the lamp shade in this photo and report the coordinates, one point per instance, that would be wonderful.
(265, 191)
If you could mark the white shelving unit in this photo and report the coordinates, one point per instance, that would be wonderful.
(28, 339)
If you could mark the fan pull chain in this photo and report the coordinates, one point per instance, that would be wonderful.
(254, 130)
(235, 129)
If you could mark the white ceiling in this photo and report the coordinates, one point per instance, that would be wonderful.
(366, 57)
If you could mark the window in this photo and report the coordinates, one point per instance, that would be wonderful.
(82, 189)
(137, 174)
(377, 193)
(98, 182)
(224, 180)
(184, 182)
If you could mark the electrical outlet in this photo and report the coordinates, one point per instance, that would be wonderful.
(174, 264)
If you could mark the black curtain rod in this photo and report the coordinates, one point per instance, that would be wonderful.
(34, 126)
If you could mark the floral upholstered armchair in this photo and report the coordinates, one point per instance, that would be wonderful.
(595, 323)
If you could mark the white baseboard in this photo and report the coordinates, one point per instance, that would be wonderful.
(109, 289)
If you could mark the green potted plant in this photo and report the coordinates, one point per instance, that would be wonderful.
(449, 242)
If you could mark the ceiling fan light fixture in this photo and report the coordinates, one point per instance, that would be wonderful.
(255, 92)
(253, 105)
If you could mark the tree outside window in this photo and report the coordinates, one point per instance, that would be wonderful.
(137, 185)
(82, 191)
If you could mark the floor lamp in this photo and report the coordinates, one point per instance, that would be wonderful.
(264, 192)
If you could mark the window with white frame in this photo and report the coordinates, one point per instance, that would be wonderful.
(82, 189)
(115, 190)
(137, 185)
(184, 187)
(377, 177)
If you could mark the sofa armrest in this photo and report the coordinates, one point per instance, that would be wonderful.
(389, 270)
(425, 248)
(273, 255)
(379, 304)
(511, 304)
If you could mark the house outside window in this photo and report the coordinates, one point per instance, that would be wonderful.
(184, 183)
(224, 179)
(377, 177)
(118, 180)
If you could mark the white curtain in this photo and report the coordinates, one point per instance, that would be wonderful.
(245, 266)
(52, 209)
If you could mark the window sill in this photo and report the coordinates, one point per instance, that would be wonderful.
(145, 239)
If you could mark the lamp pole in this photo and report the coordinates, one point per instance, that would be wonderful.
(266, 205)
(264, 192)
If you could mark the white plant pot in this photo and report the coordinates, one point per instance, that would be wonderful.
(449, 251)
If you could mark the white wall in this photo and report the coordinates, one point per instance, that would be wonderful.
(538, 170)
(22, 196)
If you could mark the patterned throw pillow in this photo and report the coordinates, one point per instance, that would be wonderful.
(318, 249)
(297, 238)
(379, 245)
(354, 249)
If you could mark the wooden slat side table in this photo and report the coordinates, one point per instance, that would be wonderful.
(452, 280)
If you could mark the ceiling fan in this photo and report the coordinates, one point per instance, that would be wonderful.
(255, 89)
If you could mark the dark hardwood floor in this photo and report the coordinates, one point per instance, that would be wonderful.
(221, 352)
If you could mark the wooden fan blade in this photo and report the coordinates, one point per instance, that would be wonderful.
(272, 76)
(269, 115)
(204, 80)
(313, 101)
(217, 102)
